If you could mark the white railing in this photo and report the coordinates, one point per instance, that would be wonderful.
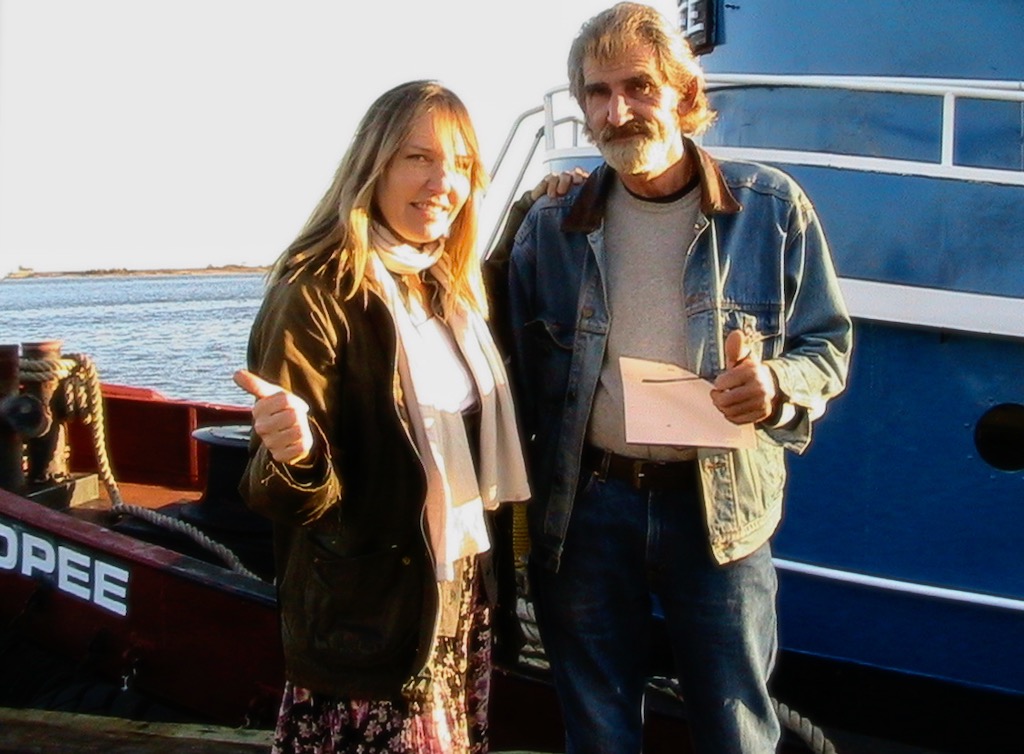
(949, 90)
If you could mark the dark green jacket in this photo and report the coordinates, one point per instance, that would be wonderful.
(357, 595)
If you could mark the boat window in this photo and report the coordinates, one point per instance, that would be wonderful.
(999, 437)
(872, 124)
(990, 134)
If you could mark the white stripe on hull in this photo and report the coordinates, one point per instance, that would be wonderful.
(903, 587)
(934, 308)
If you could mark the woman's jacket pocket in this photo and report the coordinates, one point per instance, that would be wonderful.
(360, 612)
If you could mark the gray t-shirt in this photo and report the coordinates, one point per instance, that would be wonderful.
(645, 249)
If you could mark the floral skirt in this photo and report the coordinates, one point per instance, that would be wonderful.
(451, 720)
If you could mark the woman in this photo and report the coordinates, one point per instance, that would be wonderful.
(383, 429)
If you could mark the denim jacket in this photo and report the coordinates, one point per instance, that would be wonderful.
(760, 262)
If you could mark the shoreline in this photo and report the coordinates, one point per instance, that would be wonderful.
(227, 269)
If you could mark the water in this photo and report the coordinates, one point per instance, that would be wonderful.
(182, 335)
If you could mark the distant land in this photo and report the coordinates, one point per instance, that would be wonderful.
(226, 269)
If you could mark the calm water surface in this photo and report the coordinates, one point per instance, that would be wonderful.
(182, 335)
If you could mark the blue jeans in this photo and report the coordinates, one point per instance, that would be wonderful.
(594, 614)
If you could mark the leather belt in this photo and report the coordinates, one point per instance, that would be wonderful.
(641, 474)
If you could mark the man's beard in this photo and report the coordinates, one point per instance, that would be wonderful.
(638, 146)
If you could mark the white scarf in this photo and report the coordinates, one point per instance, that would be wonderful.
(456, 496)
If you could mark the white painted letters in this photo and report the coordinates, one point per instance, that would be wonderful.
(36, 555)
(110, 588)
(10, 544)
(73, 572)
(689, 12)
(70, 570)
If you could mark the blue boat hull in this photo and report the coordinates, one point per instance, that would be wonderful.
(913, 484)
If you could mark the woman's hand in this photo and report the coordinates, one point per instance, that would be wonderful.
(558, 184)
(280, 418)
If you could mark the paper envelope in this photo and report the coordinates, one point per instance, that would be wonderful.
(667, 405)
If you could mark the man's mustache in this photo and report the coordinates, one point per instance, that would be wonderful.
(635, 127)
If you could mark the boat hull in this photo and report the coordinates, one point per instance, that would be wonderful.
(901, 520)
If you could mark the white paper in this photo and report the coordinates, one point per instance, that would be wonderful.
(668, 405)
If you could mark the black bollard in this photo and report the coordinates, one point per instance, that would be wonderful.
(48, 452)
(12, 474)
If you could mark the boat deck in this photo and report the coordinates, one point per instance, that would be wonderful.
(44, 732)
(32, 731)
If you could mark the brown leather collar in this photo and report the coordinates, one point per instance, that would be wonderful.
(587, 210)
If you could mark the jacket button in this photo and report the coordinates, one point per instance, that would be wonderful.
(588, 312)
(406, 560)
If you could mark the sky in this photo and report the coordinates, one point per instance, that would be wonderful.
(145, 134)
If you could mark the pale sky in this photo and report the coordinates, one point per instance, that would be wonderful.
(184, 133)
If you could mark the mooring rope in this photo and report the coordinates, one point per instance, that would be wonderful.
(813, 736)
(808, 732)
(83, 400)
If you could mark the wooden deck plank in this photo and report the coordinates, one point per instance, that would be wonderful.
(24, 731)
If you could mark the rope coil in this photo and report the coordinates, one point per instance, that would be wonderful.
(83, 399)
(808, 732)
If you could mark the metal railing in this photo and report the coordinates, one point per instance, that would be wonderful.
(949, 90)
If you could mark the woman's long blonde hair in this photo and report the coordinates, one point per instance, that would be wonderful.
(336, 238)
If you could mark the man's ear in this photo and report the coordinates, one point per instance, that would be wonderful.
(688, 96)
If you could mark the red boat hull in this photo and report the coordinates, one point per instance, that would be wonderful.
(193, 635)
(183, 620)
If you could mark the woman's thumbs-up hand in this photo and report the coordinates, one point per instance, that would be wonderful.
(280, 418)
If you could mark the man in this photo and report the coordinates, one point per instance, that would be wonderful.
(721, 268)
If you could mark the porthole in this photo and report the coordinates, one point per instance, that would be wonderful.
(999, 436)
